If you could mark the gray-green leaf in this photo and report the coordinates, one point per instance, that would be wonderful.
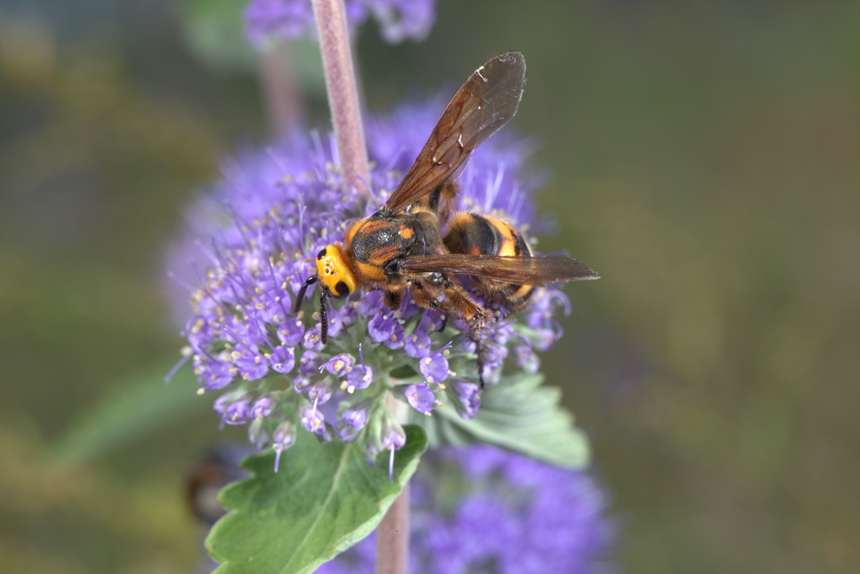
(324, 499)
(519, 414)
(135, 407)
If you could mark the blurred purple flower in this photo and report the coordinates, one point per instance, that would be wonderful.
(271, 20)
(481, 509)
(468, 397)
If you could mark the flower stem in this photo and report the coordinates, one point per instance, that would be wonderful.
(283, 100)
(342, 93)
(392, 536)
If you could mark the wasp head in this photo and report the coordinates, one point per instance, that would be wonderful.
(333, 272)
(335, 278)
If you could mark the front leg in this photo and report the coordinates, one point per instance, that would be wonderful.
(392, 299)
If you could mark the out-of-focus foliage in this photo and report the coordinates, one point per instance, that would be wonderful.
(706, 162)
(88, 520)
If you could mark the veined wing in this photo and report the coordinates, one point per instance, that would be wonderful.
(522, 270)
(481, 106)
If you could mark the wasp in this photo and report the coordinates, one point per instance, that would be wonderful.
(401, 246)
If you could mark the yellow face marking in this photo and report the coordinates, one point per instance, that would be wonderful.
(334, 272)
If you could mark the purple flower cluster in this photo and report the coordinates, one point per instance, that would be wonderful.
(268, 20)
(273, 211)
(481, 509)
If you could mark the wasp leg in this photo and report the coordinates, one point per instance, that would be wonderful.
(323, 318)
(441, 201)
(448, 297)
(301, 295)
(443, 325)
(424, 296)
(479, 354)
(392, 300)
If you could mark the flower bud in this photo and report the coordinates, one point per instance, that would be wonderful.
(257, 434)
(282, 439)
(312, 419)
(467, 398)
(356, 416)
(238, 412)
(263, 407)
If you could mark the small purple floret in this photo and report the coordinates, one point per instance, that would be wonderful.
(309, 363)
(263, 407)
(392, 436)
(356, 416)
(385, 329)
(238, 412)
(359, 378)
(320, 392)
(282, 439)
(312, 419)
(339, 365)
(434, 368)
(417, 344)
(283, 359)
(468, 398)
(420, 397)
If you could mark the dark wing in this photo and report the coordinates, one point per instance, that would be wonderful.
(522, 270)
(481, 106)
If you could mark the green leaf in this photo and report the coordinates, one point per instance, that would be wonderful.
(137, 406)
(519, 414)
(325, 498)
(213, 31)
(404, 372)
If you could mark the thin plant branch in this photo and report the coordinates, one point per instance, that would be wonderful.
(280, 89)
(392, 536)
(342, 93)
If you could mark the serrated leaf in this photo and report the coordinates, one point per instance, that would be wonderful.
(135, 407)
(325, 498)
(519, 414)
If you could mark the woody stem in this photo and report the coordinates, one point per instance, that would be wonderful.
(342, 93)
(392, 536)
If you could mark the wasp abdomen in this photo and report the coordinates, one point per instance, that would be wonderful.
(473, 234)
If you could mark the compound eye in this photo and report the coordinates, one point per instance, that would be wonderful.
(341, 290)
(322, 253)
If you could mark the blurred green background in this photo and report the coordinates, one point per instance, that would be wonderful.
(705, 158)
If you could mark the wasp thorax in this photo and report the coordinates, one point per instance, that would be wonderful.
(334, 273)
